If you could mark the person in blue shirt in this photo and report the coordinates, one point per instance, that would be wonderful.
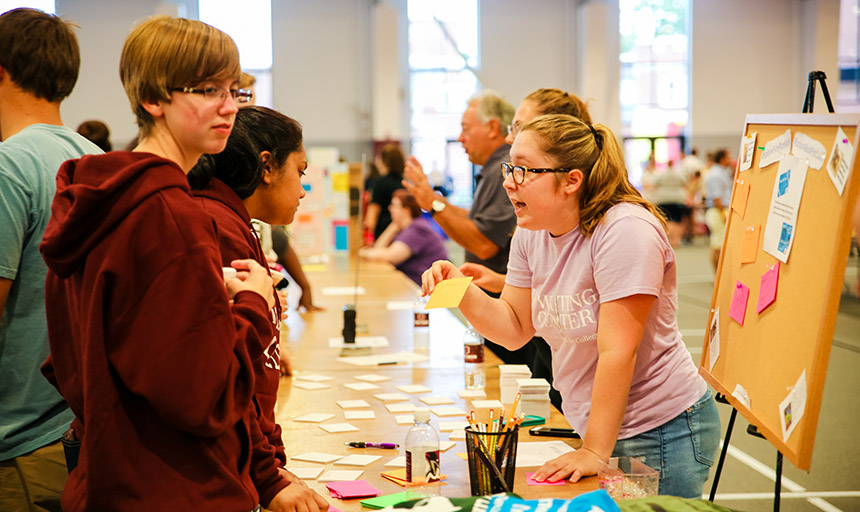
(718, 195)
(39, 62)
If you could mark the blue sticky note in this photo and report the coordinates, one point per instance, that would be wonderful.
(341, 237)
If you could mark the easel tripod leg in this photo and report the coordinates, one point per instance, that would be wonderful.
(778, 488)
(723, 453)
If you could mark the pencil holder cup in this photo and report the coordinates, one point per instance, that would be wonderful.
(492, 460)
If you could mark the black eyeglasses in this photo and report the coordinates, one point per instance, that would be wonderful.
(518, 172)
(218, 93)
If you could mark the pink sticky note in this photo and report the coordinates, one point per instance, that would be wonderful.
(332, 508)
(767, 292)
(739, 302)
(531, 481)
(352, 489)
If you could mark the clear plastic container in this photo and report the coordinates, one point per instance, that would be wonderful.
(420, 326)
(626, 478)
(473, 361)
(422, 457)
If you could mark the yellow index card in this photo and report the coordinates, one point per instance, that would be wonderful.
(448, 293)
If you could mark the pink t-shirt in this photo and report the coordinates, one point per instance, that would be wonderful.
(571, 275)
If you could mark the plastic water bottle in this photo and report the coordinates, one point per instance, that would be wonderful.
(421, 326)
(473, 362)
(422, 456)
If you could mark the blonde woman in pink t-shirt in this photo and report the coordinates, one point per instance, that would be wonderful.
(593, 273)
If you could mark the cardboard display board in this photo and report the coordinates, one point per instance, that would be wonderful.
(772, 366)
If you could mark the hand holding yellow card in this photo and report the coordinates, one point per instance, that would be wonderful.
(448, 293)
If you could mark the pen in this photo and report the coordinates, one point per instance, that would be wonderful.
(386, 363)
(362, 444)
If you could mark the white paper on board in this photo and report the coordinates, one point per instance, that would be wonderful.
(792, 408)
(809, 149)
(741, 394)
(775, 150)
(839, 165)
(747, 151)
(714, 340)
(781, 227)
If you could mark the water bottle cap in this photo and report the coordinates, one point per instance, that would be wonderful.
(421, 414)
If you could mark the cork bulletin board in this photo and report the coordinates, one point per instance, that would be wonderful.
(779, 279)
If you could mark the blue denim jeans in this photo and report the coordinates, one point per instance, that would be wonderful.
(682, 450)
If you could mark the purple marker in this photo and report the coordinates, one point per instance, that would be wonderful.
(362, 444)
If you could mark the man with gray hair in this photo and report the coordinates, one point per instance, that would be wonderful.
(485, 230)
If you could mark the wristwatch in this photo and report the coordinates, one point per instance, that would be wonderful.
(437, 207)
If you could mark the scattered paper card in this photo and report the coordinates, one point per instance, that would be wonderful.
(780, 230)
(448, 293)
(405, 419)
(343, 290)
(471, 393)
(531, 481)
(399, 305)
(306, 384)
(340, 475)
(446, 445)
(396, 462)
(776, 149)
(384, 359)
(740, 298)
(352, 404)
(358, 415)
(448, 411)
(448, 426)
(357, 460)
(714, 340)
(839, 166)
(360, 386)
(747, 151)
(792, 408)
(314, 417)
(487, 404)
(391, 397)
(749, 248)
(741, 394)
(809, 149)
(353, 489)
(323, 458)
(767, 292)
(335, 428)
(741, 197)
(360, 342)
(372, 377)
(414, 388)
(457, 435)
(436, 400)
(306, 473)
(409, 407)
(398, 476)
(532, 454)
(312, 377)
(386, 501)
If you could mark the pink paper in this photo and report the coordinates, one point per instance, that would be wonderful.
(531, 481)
(767, 292)
(352, 489)
(739, 302)
(332, 508)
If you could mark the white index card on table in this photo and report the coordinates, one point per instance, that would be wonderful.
(405, 419)
(471, 393)
(313, 377)
(400, 407)
(446, 445)
(391, 397)
(361, 386)
(487, 404)
(436, 400)
(448, 411)
(402, 305)
(537, 453)
(448, 426)
(306, 473)
(414, 388)
(352, 404)
(306, 384)
(340, 475)
(357, 460)
(314, 417)
(372, 377)
(360, 342)
(334, 428)
(358, 415)
(343, 290)
(457, 435)
(397, 462)
(320, 457)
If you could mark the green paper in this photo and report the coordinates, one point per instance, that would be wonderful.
(384, 501)
(533, 420)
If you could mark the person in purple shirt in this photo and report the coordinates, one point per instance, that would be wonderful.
(408, 243)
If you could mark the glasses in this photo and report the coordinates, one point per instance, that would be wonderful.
(518, 172)
(514, 129)
(218, 93)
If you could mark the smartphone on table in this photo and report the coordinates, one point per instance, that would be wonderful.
(553, 432)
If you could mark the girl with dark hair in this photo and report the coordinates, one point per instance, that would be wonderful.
(390, 163)
(591, 270)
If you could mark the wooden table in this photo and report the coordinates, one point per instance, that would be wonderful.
(308, 345)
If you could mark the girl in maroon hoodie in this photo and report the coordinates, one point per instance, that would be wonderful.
(155, 362)
(257, 176)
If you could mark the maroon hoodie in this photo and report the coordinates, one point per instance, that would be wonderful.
(238, 240)
(156, 365)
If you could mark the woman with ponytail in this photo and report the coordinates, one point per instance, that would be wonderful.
(592, 271)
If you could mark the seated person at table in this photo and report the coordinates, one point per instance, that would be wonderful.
(591, 270)
(408, 243)
(149, 352)
(257, 175)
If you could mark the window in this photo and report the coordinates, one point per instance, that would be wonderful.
(43, 5)
(848, 91)
(250, 26)
(443, 54)
(654, 81)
